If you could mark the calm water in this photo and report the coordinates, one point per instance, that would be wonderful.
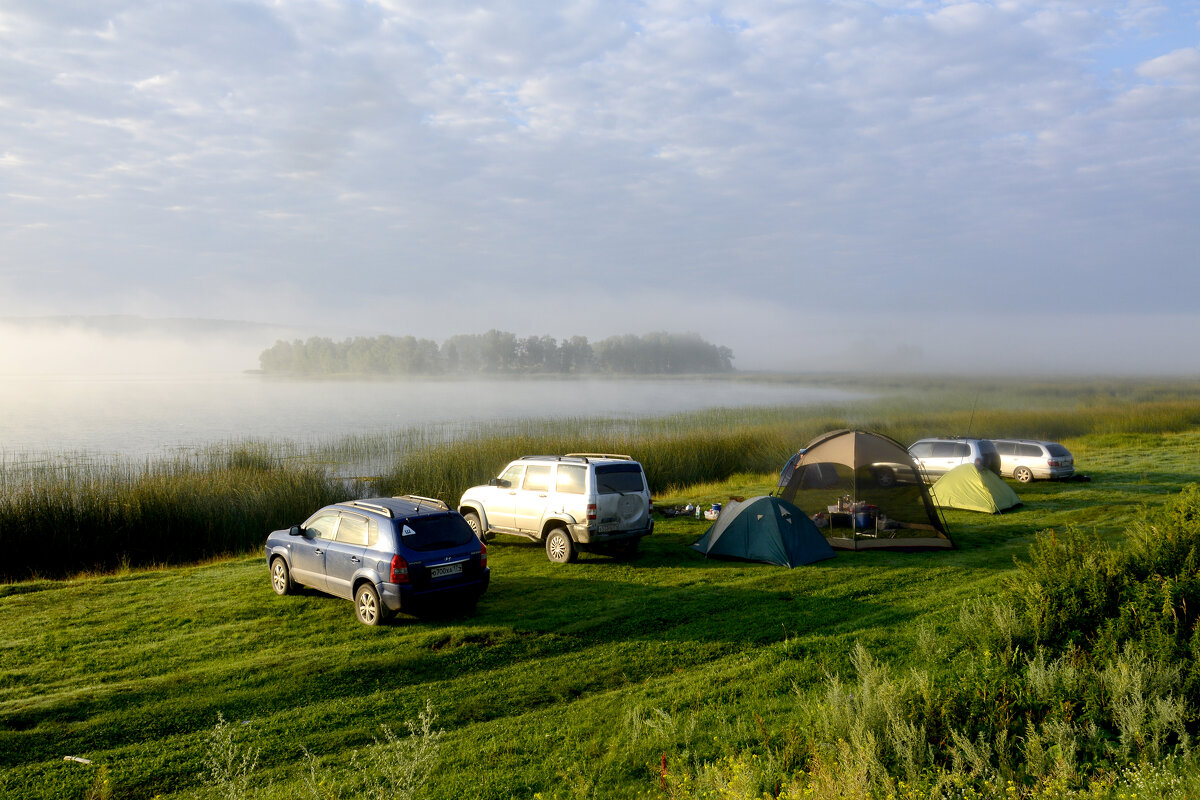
(143, 415)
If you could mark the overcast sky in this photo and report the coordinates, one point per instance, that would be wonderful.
(897, 184)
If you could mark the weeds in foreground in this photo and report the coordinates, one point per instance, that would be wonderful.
(1075, 683)
(228, 763)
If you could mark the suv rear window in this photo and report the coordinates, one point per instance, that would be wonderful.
(434, 532)
(1058, 451)
(619, 479)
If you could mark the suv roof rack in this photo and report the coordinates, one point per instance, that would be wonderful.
(378, 509)
(419, 499)
(600, 455)
(570, 457)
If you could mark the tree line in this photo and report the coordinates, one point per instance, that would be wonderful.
(498, 353)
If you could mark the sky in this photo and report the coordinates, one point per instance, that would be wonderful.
(880, 185)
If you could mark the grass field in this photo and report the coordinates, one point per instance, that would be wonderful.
(582, 680)
(568, 681)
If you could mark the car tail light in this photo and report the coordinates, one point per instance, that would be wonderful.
(399, 571)
(651, 505)
(979, 462)
(591, 512)
(483, 556)
(1053, 463)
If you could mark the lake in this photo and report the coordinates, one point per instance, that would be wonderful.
(143, 415)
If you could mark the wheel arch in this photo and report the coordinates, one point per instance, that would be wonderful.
(475, 507)
(550, 523)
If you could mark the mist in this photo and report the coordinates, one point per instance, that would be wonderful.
(765, 339)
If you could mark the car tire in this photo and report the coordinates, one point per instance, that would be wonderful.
(281, 577)
(559, 547)
(476, 525)
(885, 478)
(367, 606)
(1023, 474)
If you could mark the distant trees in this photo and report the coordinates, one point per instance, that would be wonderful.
(498, 353)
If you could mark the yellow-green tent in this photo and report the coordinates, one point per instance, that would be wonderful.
(973, 489)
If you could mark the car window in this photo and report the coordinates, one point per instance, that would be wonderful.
(1029, 450)
(513, 475)
(619, 479)
(922, 449)
(537, 478)
(1058, 451)
(353, 530)
(1006, 448)
(986, 446)
(322, 526)
(435, 532)
(962, 450)
(570, 478)
(943, 449)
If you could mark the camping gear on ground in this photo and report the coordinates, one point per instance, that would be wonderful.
(973, 489)
(870, 489)
(766, 529)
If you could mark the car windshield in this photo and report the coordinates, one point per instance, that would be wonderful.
(435, 532)
(619, 479)
(1058, 451)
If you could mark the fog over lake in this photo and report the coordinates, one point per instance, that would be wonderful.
(140, 415)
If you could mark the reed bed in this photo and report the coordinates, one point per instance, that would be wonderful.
(76, 512)
(55, 522)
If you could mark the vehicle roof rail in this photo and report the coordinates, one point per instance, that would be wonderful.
(376, 507)
(418, 499)
(600, 455)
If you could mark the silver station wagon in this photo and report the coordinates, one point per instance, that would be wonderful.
(1026, 459)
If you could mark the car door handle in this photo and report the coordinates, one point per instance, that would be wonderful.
(318, 552)
(355, 559)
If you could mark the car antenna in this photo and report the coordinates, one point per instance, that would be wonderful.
(971, 421)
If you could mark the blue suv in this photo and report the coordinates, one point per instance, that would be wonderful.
(387, 554)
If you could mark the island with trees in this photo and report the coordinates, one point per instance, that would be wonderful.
(498, 353)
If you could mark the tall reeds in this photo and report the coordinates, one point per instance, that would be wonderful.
(54, 522)
(78, 512)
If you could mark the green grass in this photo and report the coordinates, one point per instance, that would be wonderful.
(569, 681)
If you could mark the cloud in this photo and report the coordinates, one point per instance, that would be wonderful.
(918, 155)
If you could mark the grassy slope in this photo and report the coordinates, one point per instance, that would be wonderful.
(540, 690)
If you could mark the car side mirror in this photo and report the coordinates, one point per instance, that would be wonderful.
(503, 484)
(296, 530)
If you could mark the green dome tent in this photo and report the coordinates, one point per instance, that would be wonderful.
(764, 529)
(973, 489)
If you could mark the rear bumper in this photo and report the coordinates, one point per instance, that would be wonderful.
(408, 598)
(582, 535)
(1055, 473)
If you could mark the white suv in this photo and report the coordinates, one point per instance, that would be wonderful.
(590, 501)
(936, 457)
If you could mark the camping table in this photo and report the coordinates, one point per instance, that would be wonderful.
(845, 519)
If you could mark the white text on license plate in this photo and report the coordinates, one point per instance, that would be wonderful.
(441, 572)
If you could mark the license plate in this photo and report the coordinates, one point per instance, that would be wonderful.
(441, 572)
(605, 527)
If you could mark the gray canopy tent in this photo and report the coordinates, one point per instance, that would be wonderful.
(864, 491)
